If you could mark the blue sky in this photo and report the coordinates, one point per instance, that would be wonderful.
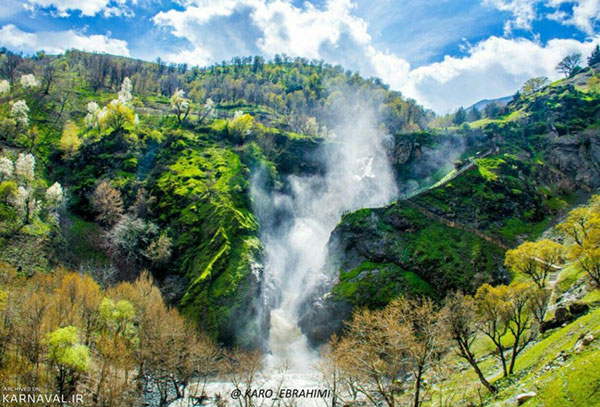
(443, 53)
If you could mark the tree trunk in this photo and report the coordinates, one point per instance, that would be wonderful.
(513, 357)
(468, 355)
(418, 386)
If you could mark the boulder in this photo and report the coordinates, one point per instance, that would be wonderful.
(587, 339)
(561, 316)
(578, 308)
(522, 398)
(584, 340)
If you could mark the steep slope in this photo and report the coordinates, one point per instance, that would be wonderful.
(177, 181)
(532, 164)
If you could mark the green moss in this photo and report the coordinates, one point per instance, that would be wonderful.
(488, 166)
(202, 199)
(376, 284)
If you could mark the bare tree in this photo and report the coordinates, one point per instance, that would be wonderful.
(107, 203)
(242, 368)
(569, 64)
(459, 318)
(382, 349)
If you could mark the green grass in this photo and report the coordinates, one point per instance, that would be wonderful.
(376, 284)
(568, 277)
(573, 383)
(84, 240)
(540, 368)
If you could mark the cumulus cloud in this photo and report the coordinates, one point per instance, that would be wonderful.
(269, 27)
(523, 11)
(87, 7)
(492, 68)
(55, 42)
(584, 15)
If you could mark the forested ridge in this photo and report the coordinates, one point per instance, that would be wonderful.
(130, 257)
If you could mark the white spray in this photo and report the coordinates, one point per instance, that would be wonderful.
(357, 175)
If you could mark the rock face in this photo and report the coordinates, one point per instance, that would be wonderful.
(374, 255)
(578, 156)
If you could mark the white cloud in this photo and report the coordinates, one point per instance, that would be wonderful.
(585, 13)
(268, 27)
(523, 11)
(87, 7)
(55, 42)
(493, 68)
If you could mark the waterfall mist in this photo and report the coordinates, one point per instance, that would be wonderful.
(296, 224)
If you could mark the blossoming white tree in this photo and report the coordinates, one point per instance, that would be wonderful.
(91, 119)
(116, 114)
(208, 110)
(54, 198)
(20, 112)
(125, 92)
(6, 168)
(180, 105)
(26, 204)
(29, 81)
(25, 167)
(4, 87)
(54, 195)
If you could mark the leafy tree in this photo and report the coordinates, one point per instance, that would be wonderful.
(491, 307)
(569, 64)
(241, 125)
(116, 115)
(116, 342)
(69, 357)
(538, 303)
(582, 226)
(474, 114)
(70, 141)
(504, 309)
(460, 116)
(533, 85)
(594, 58)
(492, 110)
(159, 250)
(535, 259)
(519, 318)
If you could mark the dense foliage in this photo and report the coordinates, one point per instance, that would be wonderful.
(123, 169)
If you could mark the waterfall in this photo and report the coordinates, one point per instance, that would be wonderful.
(296, 224)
